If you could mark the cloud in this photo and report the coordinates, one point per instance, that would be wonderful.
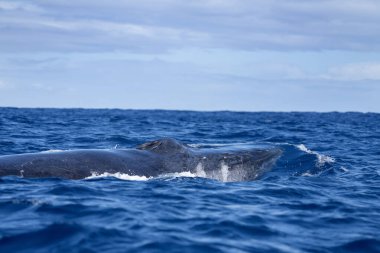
(355, 72)
(4, 85)
(47, 34)
(163, 25)
(41, 86)
(200, 54)
(18, 6)
(85, 80)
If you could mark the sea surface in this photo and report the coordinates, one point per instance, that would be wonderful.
(322, 195)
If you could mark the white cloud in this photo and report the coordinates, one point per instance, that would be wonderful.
(49, 34)
(355, 72)
(105, 27)
(57, 52)
(12, 6)
(41, 86)
(3, 85)
(87, 25)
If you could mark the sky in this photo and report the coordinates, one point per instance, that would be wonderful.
(239, 55)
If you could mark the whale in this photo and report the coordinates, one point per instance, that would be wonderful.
(152, 159)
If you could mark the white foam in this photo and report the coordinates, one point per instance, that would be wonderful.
(307, 174)
(199, 171)
(179, 174)
(52, 151)
(119, 175)
(224, 171)
(322, 159)
(222, 175)
(124, 176)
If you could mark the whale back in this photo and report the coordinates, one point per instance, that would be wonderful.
(162, 146)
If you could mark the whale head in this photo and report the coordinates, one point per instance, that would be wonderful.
(225, 164)
(231, 165)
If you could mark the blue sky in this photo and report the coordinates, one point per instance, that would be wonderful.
(246, 55)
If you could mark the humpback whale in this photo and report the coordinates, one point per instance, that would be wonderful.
(150, 159)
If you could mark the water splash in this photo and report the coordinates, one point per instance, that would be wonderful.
(53, 150)
(322, 159)
(119, 175)
(224, 171)
(199, 171)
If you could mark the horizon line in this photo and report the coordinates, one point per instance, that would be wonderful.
(181, 110)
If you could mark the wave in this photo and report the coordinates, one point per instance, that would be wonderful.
(322, 159)
(53, 150)
(119, 175)
(124, 176)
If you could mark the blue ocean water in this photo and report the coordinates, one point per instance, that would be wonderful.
(323, 194)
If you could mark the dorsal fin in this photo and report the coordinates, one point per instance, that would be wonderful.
(166, 145)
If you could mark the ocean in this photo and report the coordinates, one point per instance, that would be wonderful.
(322, 195)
